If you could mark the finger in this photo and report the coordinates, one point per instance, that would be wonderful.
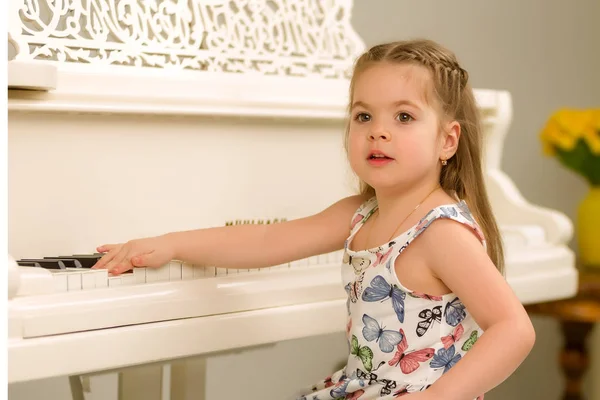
(117, 260)
(143, 260)
(106, 248)
(105, 259)
(124, 266)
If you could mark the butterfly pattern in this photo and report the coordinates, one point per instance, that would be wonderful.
(380, 290)
(409, 362)
(400, 341)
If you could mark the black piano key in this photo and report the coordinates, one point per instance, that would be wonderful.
(85, 260)
(46, 263)
(68, 262)
(92, 259)
(28, 264)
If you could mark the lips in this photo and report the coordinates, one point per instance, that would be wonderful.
(379, 159)
(378, 155)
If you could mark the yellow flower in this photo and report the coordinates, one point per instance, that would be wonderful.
(566, 126)
(592, 139)
(592, 136)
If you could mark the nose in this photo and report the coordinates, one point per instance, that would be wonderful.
(379, 135)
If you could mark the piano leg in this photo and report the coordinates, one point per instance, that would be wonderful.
(166, 382)
(574, 358)
(178, 380)
(141, 382)
(76, 387)
(188, 379)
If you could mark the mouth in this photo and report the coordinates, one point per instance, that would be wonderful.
(378, 155)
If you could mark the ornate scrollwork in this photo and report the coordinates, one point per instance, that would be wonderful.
(268, 37)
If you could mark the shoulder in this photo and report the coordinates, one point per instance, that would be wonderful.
(454, 254)
(344, 209)
(450, 227)
(353, 203)
(446, 236)
(453, 245)
(453, 235)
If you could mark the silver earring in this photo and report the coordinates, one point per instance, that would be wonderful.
(444, 162)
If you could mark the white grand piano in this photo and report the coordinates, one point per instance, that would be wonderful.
(101, 152)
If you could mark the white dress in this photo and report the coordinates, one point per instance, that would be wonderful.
(400, 341)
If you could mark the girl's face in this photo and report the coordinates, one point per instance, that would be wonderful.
(393, 136)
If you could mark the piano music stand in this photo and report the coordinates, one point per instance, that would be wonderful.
(577, 317)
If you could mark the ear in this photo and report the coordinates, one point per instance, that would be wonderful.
(450, 136)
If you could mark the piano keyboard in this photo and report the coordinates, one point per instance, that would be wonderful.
(54, 299)
(74, 273)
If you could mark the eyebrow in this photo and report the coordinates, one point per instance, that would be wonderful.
(395, 104)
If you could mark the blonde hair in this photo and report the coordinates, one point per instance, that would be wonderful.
(452, 93)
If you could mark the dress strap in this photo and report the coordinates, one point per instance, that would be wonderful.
(458, 212)
(362, 214)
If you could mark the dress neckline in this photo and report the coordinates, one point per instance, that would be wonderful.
(396, 238)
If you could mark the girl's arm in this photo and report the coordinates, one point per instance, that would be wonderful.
(255, 246)
(239, 246)
(461, 263)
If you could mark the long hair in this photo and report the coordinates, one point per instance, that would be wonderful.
(451, 91)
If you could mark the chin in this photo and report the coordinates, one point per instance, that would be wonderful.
(383, 184)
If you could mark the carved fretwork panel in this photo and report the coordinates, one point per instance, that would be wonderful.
(268, 37)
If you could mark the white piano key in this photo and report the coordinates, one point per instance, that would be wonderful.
(101, 278)
(199, 271)
(299, 263)
(284, 266)
(323, 259)
(210, 272)
(79, 278)
(336, 257)
(314, 260)
(187, 271)
(175, 271)
(140, 275)
(159, 274)
(127, 279)
(73, 281)
(60, 282)
(221, 272)
(114, 281)
(164, 273)
(88, 280)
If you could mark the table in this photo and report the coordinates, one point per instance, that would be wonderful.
(577, 317)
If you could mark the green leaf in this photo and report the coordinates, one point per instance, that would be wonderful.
(582, 161)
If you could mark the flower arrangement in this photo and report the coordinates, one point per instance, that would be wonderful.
(573, 136)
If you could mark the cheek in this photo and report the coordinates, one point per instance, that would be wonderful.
(355, 147)
(416, 152)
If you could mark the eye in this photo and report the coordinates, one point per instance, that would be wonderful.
(404, 117)
(362, 117)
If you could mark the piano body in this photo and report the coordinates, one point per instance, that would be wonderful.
(105, 153)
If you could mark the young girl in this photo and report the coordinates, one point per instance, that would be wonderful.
(431, 318)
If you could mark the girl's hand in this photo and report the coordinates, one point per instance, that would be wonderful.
(149, 252)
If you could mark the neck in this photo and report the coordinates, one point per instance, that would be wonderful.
(396, 204)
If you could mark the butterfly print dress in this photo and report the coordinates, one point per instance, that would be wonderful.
(400, 341)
